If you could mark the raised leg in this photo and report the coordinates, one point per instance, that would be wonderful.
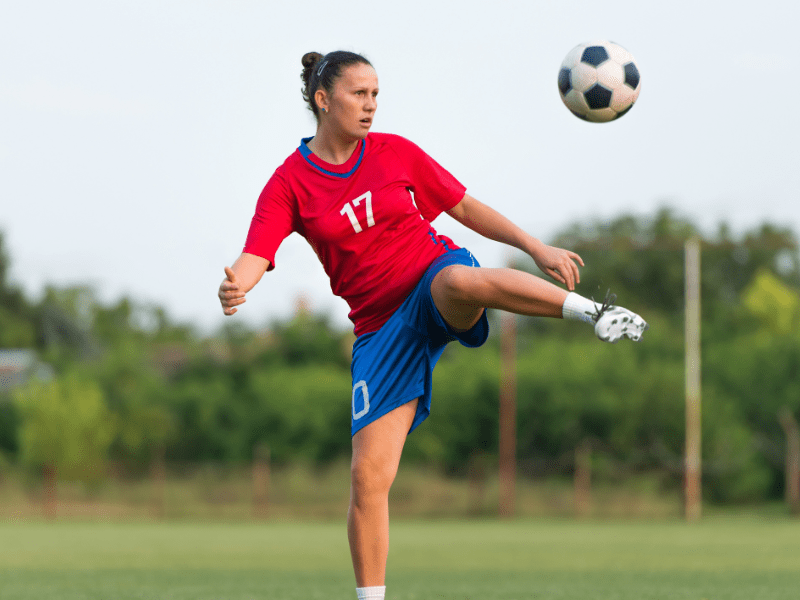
(461, 293)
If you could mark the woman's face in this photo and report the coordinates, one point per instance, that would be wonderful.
(352, 105)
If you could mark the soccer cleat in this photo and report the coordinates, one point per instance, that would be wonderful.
(612, 323)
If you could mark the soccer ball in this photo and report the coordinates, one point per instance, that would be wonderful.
(599, 81)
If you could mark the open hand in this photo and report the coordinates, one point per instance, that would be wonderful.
(230, 295)
(559, 264)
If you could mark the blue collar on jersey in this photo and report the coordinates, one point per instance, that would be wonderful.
(306, 152)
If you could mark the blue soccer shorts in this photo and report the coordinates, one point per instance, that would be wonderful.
(394, 365)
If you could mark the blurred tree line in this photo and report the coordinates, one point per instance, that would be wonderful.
(131, 383)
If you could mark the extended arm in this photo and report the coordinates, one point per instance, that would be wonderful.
(239, 279)
(557, 263)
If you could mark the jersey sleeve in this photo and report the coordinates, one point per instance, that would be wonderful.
(435, 189)
(273, 220)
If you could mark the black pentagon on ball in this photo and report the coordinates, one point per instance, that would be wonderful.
(564, 81)
(594, 55)
(598, 96)
(631, 75)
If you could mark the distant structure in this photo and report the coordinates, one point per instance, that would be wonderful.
(17, 367)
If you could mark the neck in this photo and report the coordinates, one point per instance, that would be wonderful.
(331, 148)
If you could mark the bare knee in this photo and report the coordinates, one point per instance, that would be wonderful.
(370, 480)
(457, 294)
(456, 282)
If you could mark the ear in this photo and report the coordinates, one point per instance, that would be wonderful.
(321, 98)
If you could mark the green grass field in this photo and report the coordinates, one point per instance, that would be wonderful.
(721, 558)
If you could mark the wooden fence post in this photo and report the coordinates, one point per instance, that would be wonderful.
(50, 490)
(261, 481)
(158, 478)
(477, 482)
(583, 479)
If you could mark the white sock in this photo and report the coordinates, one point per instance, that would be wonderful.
(377, 592)
(578, 308)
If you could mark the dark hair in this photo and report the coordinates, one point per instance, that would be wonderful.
(322, 72)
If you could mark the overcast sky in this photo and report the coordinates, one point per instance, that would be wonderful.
(135, 137)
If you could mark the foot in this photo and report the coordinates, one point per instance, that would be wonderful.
(612, 323)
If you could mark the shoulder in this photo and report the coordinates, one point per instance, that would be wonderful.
(279, 185)
(401, 146)
(289, 171)
(389, 139)
(292, 163)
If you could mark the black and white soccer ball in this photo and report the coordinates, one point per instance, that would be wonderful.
(599, 81)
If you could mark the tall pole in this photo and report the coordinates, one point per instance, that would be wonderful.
(693, 467)
(508, 414)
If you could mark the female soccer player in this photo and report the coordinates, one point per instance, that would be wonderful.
(365, 202)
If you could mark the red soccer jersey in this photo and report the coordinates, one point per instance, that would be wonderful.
(361, 220)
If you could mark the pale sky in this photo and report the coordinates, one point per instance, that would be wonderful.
(135, 137)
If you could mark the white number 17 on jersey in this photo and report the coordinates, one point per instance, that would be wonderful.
(348, 210)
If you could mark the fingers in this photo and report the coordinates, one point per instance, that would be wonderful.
(229, 304)
(229, 294)
(561, 265)
(571, 271)
(556, 275)
(576, 274)
(232, 298)
(568, 275)
(575, 257)
(570, 283)
(567, 272)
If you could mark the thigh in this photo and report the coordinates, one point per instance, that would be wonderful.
(379, 445)
(450, 290)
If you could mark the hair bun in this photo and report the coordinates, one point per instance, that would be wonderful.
(310, 59)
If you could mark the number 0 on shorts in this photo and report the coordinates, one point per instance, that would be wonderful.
(361, 400)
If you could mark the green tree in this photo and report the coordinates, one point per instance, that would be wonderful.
(65, 423)
(17, 328)
(775, 304)
(66, 324)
